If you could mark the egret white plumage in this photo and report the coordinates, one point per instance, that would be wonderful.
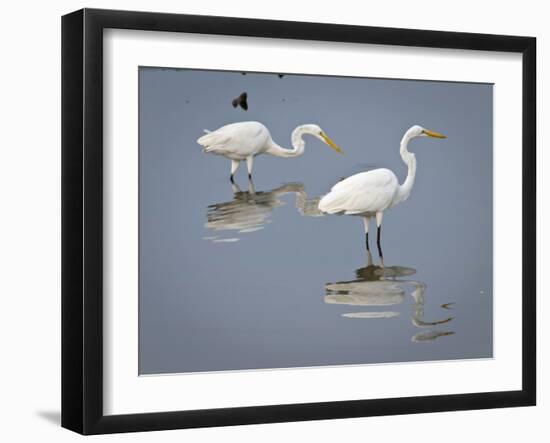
(245, 140)
(369, 194)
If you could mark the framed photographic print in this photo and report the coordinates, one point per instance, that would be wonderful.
(270, 221)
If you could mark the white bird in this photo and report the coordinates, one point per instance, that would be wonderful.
(245, 140)
(369, 194)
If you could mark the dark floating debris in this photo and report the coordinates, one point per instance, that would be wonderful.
(281, 75)
(241, 101)
(243, 73)
(447, 305)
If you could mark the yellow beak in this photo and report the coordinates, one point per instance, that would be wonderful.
(434, 134)
(329, 142)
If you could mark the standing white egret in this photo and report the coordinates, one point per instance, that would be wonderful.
(370, 193)
(245, 140)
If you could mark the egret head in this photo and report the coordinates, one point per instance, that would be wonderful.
(419, 131)
(318, 133)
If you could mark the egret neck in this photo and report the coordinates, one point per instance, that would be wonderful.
(410, 160)
(297, 141)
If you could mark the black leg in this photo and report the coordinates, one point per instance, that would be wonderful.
(378, 242)
(232, 179)
(367, 240)
(249, 176)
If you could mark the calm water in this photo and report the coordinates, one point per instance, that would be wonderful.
(251, 275)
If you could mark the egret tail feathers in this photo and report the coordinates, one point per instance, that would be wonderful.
(329, 204)
(211, 139)
(339, 203)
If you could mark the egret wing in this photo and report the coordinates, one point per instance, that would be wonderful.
(367, 192)
(239, 139)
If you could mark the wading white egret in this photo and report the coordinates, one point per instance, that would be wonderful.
(245, 140)
(369, 194)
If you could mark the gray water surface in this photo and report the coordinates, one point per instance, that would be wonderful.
(252, 276)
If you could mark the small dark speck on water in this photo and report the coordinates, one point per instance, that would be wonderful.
(447, 305)
(281, 75)
(367, 166)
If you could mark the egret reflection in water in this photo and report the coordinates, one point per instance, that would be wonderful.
(250, 210)
(376, 287)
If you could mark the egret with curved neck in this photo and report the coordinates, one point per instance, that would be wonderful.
(245, 140)
(369, 194)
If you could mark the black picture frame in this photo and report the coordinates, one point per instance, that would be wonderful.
(82, 220)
